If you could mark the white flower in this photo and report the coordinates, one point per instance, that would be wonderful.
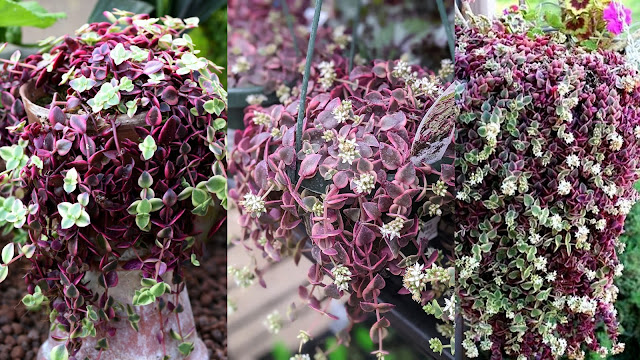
(347, 150)
(556, 222)
(260, 118)
(342, 113)
(365, 183)
(402, 70)
(342, 277)
(534, 238)
(582, 233)
(615, 141)
(618, 270)
(242, 65)
(596, 169)
(573, 161)
(509, 187)
(434, 210)
(551, 276)
(392, 229)
(256, 99)
(274, 322)
(601, 224)
(327, 74)
(568, 138)
(283, 92)
(624, 205)
(564, 187)
(540, 263)
(415, 280)
(243, 277)
(439, 188)
(610, 190)
(636, 131)
(253, 204)
(450, 307)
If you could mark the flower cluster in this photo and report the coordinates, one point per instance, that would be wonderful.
(363, 199)
(545, 167)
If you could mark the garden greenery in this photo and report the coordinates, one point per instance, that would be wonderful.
(128, 163)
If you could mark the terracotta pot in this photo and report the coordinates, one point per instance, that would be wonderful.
(127, 344)
(36, 113)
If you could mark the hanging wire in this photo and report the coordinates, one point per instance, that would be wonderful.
(354, 35)
(287, 16)
(305, 79)
(447, 27)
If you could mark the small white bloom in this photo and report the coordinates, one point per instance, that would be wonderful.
(253, 204)
(615, 141)
(241, 65)
(274, 322)
(568, 138)
(256, 99)
(341, 277)
(556, 222)
(260, 118)
(564, 187)
(392, 229)
(573, 161)
(509, 187)
(414, 280)
(347, 150)
(327, 74)
(343, 112)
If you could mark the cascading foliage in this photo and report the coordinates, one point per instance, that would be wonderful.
(547, 156)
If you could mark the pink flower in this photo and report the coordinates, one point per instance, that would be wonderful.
(617, 16)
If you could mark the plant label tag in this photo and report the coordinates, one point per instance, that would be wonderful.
(435, 132)
(429, 230)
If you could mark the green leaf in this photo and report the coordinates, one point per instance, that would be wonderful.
(142, 220)
(59, 353)
(158, 289)
(186, 348)
(214, 106)
(194, 261)
(4, 271)
(143, 298)
(217, 184)
(144, 207)
(7, 253)
(28, 13)
(146, 282)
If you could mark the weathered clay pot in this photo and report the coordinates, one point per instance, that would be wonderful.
(36, 113)
(127, 344)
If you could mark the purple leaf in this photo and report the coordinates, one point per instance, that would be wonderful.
(393, 121)
(154, 117)
(153, 67)
(79, 123)
(309, 165)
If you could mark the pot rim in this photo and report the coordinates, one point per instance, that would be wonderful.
(36, 113)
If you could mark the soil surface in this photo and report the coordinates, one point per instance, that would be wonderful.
(22, 332)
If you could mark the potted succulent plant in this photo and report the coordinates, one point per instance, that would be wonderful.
(265, 59)
(365, 201)
(117, 176)
(548, 135)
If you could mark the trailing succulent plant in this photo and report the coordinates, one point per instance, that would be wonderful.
(546, 162)
(262, 49)
(364, 222)
(95, 193)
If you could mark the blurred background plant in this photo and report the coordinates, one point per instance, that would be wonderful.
(15, 14)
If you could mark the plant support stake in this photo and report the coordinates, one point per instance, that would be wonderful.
(305, 81)
(447, 27)
(287, 16)
(354, 35)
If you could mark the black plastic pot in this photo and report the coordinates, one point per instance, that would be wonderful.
(237, 101)
(407, 317)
